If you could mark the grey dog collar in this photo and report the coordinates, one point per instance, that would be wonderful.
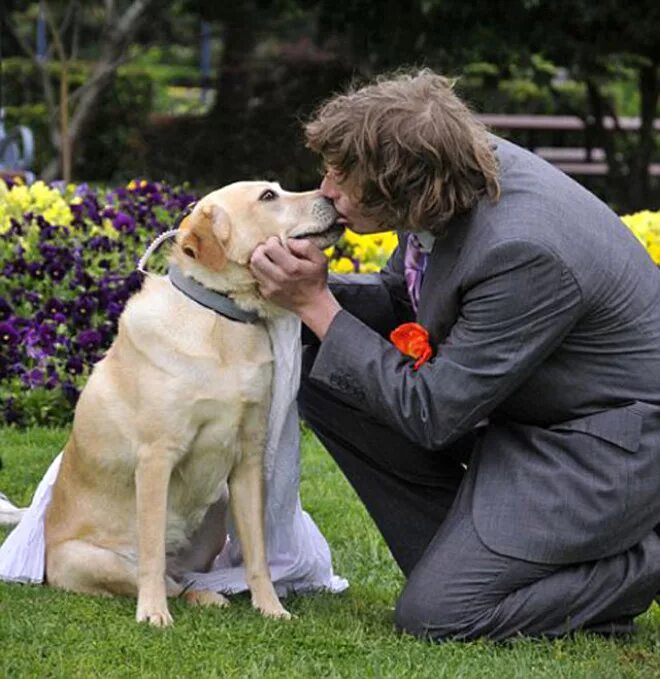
(211, 299)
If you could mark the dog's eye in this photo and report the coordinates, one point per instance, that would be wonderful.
(268, 194)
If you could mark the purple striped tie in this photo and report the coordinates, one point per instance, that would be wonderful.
(414, 264)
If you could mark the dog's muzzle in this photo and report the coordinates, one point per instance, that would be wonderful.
(327, 229)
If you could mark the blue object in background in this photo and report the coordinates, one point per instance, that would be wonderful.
(42, 42)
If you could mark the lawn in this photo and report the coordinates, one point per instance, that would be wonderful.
(46, 633)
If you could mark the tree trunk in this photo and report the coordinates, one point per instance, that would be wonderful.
(117, 37)
(239, 32)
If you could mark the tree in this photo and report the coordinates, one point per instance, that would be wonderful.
(591, 41)
(70, 112)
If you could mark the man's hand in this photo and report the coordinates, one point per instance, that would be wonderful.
(296, 279)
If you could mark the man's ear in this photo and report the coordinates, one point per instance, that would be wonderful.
(205, 234)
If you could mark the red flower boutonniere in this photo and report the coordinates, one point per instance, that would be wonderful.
(412, 339)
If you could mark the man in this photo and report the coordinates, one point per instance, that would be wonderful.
(544, 317)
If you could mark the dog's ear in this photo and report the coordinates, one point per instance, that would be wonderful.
(204, 236)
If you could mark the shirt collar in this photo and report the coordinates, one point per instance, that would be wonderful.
(426, 240)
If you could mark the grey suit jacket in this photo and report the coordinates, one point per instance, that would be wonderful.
(544, 312)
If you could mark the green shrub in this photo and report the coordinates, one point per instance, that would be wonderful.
(113, 143)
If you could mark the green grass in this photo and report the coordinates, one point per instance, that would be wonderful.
(47, 633)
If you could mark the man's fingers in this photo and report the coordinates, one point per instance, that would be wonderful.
(304, 248)
(294, 261)
(263, 267)
(277, 253)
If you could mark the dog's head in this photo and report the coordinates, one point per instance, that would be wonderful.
(226, 225)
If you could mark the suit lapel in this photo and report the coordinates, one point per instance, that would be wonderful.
(435, 291)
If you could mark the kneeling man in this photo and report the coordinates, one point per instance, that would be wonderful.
(516, 474)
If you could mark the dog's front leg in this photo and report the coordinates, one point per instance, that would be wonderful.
(246, 495)
(152, 477)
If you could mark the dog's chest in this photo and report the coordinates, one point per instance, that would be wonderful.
(228, 400)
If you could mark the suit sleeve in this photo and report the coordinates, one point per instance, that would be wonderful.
(517, 305)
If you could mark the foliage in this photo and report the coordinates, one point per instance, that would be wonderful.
(175, 77)
(550, 57)
(67, 259)
(119, 121)
(50, 633)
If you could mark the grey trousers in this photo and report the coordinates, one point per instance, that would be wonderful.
(457, 588)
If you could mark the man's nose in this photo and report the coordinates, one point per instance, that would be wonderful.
(328, 188)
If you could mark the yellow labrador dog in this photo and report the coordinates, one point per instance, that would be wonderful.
(171, 425)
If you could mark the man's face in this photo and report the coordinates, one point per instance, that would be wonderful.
(347, 204)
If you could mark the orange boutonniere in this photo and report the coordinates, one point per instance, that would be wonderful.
(412, 339)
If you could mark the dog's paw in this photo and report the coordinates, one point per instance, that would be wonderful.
(154, 615)
(274, 611)
(195, 598)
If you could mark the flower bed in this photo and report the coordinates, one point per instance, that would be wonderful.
(68, 259)
(68, 263)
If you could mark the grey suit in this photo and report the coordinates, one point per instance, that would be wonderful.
(544, 312)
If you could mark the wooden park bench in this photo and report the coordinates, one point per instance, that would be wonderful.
(576, 160)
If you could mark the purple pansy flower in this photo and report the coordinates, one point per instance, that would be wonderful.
(113, 310)
(107, 330)
(48, 231)
(74, 365)
(101, 243)
(133, 281)
(33, 378)
(9, 336)
(88, 340)
(10, 412)
(83, 308)
(5, 309)
(39, 341)
(36, 270)
(55, 306)
(33, 297)
(124, 223)
(70, 392)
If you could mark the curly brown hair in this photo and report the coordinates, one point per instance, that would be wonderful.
(413, 152)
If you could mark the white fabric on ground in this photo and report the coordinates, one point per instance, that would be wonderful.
(22, 554)
(298, 554)
(10, 515)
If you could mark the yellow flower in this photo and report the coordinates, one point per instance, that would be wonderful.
(37, 198)
(343, 265)
(372, 251)
(646, 227)
(654, 251)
